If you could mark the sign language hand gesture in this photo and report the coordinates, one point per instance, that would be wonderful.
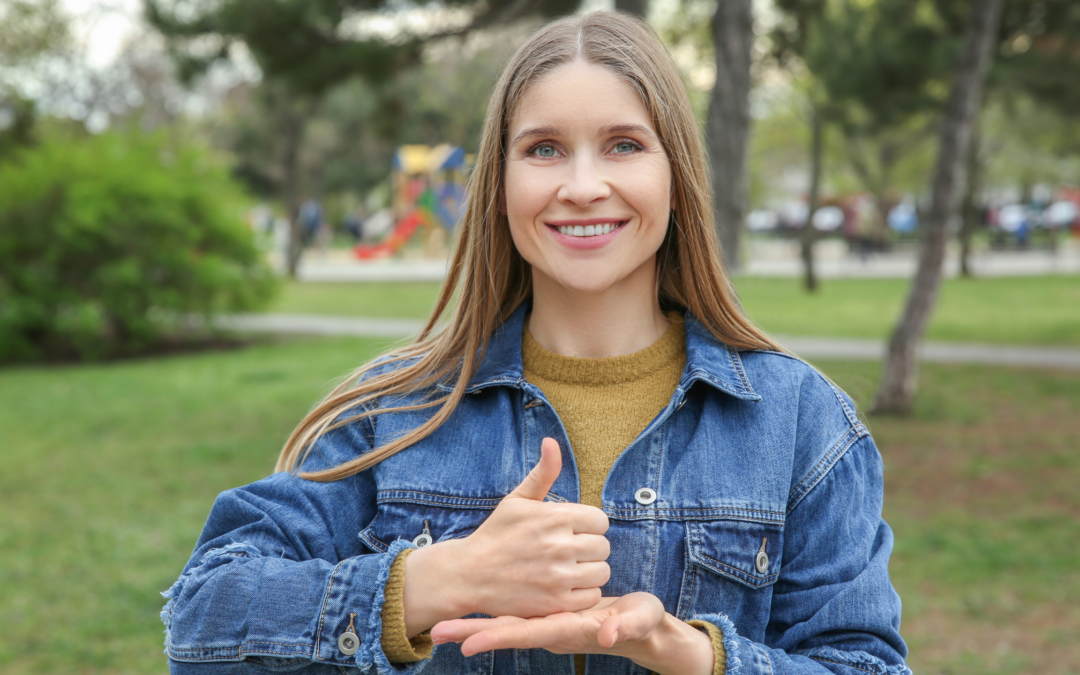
(529, 558)
(634, 626)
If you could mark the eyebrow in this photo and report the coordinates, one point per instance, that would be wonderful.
(610, 130)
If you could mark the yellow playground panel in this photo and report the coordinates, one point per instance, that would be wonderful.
(428, 191)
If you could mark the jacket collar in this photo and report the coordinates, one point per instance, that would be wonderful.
(707, 360)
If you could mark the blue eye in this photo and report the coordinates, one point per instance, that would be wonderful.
(544, 151)
(625, 146)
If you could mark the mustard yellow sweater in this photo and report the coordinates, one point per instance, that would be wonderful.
(604, 405)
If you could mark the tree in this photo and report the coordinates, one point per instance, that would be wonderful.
(638, 7)
(728, 124)
(897, 388)
(879, 67)
(351, 137)
(307, 47)
(29, 31)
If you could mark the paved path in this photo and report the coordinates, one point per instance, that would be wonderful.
(767, 258)
(806, 347)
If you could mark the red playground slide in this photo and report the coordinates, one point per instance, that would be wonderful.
(401, 233)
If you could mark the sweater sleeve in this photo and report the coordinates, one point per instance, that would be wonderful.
(719, 653)
(395, 641)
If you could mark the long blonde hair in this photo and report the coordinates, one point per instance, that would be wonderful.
(491, 279)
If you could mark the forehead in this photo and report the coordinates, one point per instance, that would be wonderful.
(577, 97)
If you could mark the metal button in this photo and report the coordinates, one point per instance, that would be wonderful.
(422, 540)
(348, 643)
(761, 560)
(645, 496)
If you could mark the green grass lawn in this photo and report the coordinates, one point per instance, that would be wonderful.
(110, 471)
(1022, 310)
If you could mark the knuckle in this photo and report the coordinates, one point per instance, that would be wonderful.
(605, 574)
(590, 598)
(606, 523)
(605, 548)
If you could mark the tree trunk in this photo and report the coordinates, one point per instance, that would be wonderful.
(729, 121)
(899, 382)
(292, 133)
(809, 233)
(638, 7)
(969, 214)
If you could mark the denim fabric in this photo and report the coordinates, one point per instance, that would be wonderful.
(755, 451)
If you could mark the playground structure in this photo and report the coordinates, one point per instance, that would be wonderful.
(428, 190)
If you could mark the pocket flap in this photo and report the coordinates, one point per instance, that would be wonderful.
(408, 520)
(732, 548)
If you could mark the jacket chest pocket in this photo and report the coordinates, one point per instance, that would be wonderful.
(731, 566)
(425, 523)
(420, 523)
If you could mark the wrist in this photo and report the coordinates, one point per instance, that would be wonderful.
(434, 590)
(676, 648)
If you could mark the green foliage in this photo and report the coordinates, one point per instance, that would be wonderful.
(349, 138)
(106, 242)
(29, 28)
(313, 45)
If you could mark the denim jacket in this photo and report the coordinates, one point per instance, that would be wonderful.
(764, 518)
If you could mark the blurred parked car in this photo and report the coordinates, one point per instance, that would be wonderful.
(828, 219)
(1061, 215)
(903, 218)
(762, 220)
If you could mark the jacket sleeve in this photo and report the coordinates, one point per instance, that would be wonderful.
(278, 575)
(833, 608)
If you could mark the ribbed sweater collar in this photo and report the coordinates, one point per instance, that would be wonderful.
(671, 347)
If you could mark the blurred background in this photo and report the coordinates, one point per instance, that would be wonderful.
(211, 209)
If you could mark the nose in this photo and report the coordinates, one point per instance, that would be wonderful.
(584, 183)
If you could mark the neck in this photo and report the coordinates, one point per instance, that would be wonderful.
(622, 319)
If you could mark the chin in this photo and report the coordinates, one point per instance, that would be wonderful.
(589, 285)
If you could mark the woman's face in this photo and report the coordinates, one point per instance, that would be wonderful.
(588, 185)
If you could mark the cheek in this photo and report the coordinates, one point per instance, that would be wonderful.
(649, 192)
(524, 192)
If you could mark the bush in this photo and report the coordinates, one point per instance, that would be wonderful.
(109, 244)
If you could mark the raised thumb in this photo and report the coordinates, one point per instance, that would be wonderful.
(538, 483)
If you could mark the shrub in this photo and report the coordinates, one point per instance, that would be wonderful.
(110, 243)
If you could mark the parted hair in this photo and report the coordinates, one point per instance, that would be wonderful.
(489, 277)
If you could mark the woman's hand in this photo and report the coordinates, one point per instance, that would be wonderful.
(634, 626)
(529, 558)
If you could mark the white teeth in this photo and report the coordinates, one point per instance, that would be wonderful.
(588, 230)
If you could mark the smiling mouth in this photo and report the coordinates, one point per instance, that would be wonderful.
(589, 230)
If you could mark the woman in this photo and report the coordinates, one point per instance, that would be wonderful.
(698, 501)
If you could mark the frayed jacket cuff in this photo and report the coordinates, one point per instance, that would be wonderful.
(746, 657)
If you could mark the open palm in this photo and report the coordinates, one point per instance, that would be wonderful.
(605, 628)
